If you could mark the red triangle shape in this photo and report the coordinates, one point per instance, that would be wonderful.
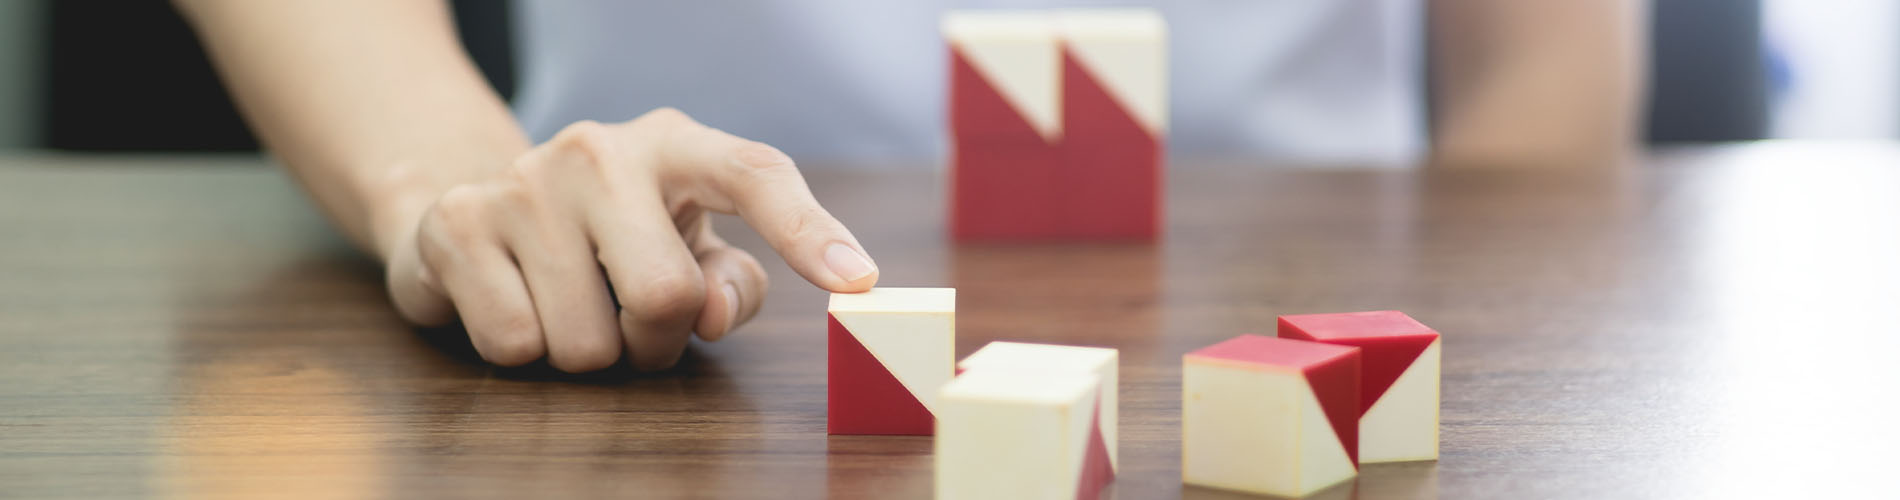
(978, 109)
(1111, 165)
(862, 397)
(1386, 359)
(1097, 469)
(1336, 384)
(1386, 356)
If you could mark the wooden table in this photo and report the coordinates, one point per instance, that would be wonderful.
(1718, 322)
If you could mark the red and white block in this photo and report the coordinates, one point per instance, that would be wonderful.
(1399, 396)
(1058, 121)
(1035, 359)
(1270, 415)
(1011, 434)
(891, 350)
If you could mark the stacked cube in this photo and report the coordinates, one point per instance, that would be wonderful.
(1058, 120)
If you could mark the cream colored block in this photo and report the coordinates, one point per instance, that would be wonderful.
(1002, 435)
(1100, 361)
(1017, 52)
(911, 331)
(1258, 429)
(1402, 425)
(1127, 51)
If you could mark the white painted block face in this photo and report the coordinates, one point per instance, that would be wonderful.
(1257, 429)
(1017, 52)
(1102, 362)
(1402, 425)
(911, 331)
(1003, 436)
(1127, 51)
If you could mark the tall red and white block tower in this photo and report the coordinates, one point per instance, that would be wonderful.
(1058, 121)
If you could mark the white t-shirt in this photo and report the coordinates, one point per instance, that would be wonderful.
(1306, 80)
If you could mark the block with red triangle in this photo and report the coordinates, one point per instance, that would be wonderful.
(890, 350)
(1269, 415)
(1398, 395)
(1057, 121)
(1006, 433)
(1035, 359)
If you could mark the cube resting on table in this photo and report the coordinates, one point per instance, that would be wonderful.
(1009, 434)
(1046, 358)
(1269, 415)
(891, 350)
(1399, 385)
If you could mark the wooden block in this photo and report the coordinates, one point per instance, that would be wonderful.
(1057, 121)
(1004, 124)
(1269, 415)
(1010, 434)
(890, 349)
(1399, 386)
(1114, 122)
(1049, 358)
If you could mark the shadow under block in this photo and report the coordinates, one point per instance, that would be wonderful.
(1057, 122)
(1269, 415)
(1033, 359)
(1399, 388)
(890, 350)
(1007, 434)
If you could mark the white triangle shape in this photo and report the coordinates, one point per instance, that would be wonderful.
(1126, 51)
(1017, 53)
(918, 348)
(1403, 424)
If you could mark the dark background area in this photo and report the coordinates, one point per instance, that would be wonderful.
(133, 78)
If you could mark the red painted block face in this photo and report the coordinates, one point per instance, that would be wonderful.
(1098, 179)
(1390, 339)
(1110, 168)
(1331, 370)
(863, 397)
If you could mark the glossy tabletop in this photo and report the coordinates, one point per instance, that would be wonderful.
(1711, 322)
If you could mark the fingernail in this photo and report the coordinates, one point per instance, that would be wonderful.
(732, 306)
(848, 263)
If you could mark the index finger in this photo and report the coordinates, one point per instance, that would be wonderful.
(729, 174)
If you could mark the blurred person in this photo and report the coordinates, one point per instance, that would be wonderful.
(505, 219)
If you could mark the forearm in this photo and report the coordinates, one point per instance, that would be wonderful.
(372, 104)
(1537, 82)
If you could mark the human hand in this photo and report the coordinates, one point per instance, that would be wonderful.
(519, 256)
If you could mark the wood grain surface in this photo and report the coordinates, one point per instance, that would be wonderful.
(1715, 322)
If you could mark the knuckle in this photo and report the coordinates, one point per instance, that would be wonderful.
(761, 156)
(456, 218)
(666, 116)
(512, 345)
(808, 222)
(585, 357)
(589, 141)
(669, 298)
(756, 271)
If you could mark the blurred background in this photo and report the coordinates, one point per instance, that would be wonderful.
(78, 77)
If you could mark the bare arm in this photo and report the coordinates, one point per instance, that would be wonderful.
(376, 109)
(371, 103)
(1537, 82)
